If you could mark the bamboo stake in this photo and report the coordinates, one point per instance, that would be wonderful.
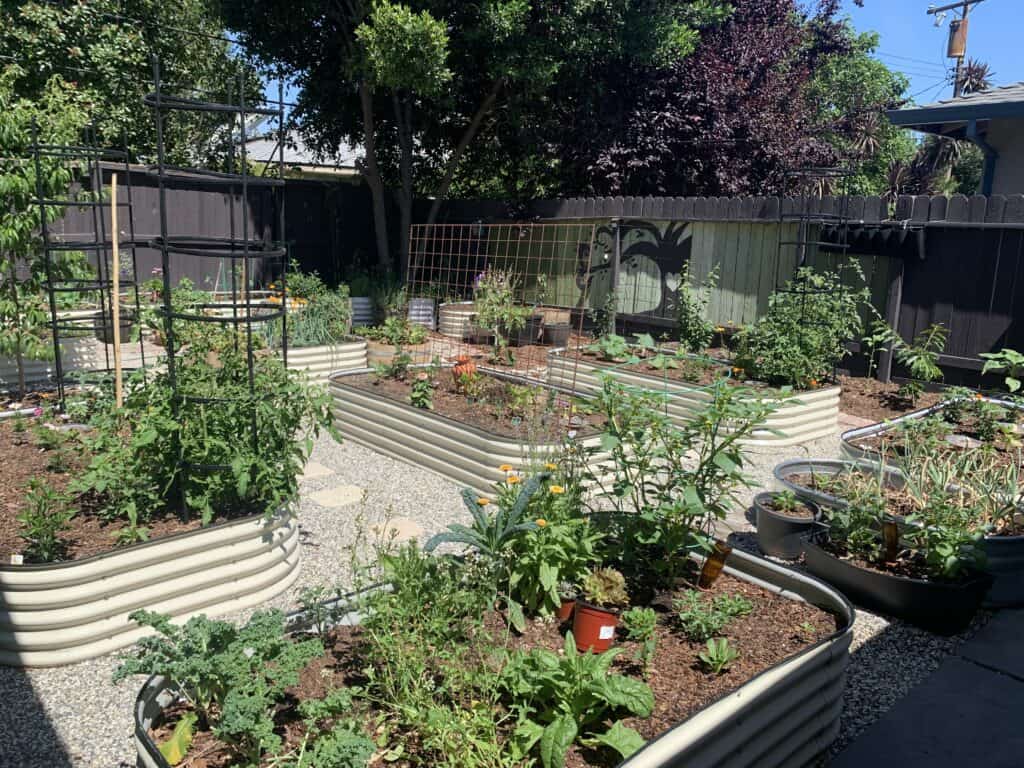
(115, 297)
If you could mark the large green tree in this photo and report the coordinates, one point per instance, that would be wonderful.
(421, 85)
(104, 47)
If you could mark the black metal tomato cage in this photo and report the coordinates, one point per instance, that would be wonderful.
(90, 159)
(240, 248)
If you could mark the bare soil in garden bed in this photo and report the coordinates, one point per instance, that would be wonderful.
(695, 371)
(524, 411)
(775, 630)
(877, 400)
(87, 534)
(800, 512)
(908, 567)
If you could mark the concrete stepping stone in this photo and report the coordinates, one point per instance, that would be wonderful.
(997, 645)
(401, 528)
(338, 496)
(315, 470)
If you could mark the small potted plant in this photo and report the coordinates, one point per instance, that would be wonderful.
(567, 593)
(783, 521)
(597, 614)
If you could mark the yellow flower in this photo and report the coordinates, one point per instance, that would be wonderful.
(505, 467)
(513, 480)
(541, 522)
(719, 329)
(556, 489)
(483, 502)
(737, 370)
(550, 467)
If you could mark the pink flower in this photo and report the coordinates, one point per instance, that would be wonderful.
(37, 411)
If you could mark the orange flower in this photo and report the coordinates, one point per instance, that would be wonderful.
(483, 502)
(513, 479)
(737, 370)
(556, 489)
(814, 383)
(506, 467)
(979, 396)
(550, 467)
(541, 522)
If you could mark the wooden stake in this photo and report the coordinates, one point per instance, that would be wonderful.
(115, 297)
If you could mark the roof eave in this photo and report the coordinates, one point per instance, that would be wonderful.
(954, 113)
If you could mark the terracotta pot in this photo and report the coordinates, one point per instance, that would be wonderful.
(464, 366)
(565, 609)
(593, 627)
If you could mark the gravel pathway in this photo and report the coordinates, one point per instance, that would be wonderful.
(75, 717)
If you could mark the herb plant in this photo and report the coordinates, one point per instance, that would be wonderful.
(701, 618)
(695, 330)
(718, 655)
(396, 331)
(45, 517)
(422, 393)
(494, 297)
(640, 625)
(562, 699)
(1006, 361)
(611, 348)
(606, 588)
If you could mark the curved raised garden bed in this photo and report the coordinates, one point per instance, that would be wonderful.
(799, 418)
(938, 606)
(786, 470)
(67, 612)
(320, 362)
(785, 716)
(1004, 554)
(464, 454)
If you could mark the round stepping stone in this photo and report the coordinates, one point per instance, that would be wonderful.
(399, 529)
(338, 496)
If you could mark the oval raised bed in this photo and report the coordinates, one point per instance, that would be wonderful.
(785, 716)
(785, 472)
(67, 612)
(799, 418)
(464, 454)
(320, 362)
(942, 607)
(779, 534)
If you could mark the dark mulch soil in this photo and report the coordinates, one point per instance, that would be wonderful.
(774, 631)
(878, 401)
(540, 421)
(908, 567)
(87, 535)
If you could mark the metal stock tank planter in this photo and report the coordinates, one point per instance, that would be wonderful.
(785, 716)
(466, 455)
(799, 418)
(320, 362)
(67, 612)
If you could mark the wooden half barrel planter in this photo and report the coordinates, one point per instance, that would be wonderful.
(64, 613)
(320, 362)
(784, 717)
(466, 455)
(1004, 555)
(801, 417)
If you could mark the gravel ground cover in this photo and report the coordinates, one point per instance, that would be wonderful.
(75, 717)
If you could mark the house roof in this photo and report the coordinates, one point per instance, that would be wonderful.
(264, 149)
(950, 115)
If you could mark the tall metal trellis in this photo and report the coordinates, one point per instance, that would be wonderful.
(68, 327)
(240, 248)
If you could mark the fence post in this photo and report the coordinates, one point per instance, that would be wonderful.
(892, 317)
(616, 261)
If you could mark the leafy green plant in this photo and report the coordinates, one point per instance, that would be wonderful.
(562, 699)
(45, 517)
(922, 359)
(611, 348)
(718, 655)
(695, 330)
(520, 399)
(421, 395)
(640, 625)
(494, 297)
(701, 618)
(1006, 361)
(803, 335)
(396, 331)
(786, 501)
(605, 587)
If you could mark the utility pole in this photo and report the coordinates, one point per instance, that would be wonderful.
(957, 48)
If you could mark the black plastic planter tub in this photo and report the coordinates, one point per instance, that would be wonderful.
(939, 607)
(780, 535)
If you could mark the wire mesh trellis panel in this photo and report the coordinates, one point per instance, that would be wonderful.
(504, 295)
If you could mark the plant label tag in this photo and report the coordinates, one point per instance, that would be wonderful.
(606, 633)
(17, 560)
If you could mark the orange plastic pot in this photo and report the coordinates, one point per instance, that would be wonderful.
(593, 627)
(565, 609)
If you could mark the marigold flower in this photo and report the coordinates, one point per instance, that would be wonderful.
(737, 370)
(513, 480)
(483, 502)
(556, 489)
(550, 467)
(541, 522)
(979, 396)
(506, 467)
(813, 382)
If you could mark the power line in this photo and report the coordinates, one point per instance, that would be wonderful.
(910, 59)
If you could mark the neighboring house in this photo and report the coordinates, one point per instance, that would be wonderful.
(992, 119)
(300, 161)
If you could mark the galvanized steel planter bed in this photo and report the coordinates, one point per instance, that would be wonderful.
(783, 717)
(466, 455)
(786, 470)
(67, 612)
(800, 418)
(320, 362)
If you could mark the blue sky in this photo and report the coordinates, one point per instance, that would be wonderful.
(912, 44)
